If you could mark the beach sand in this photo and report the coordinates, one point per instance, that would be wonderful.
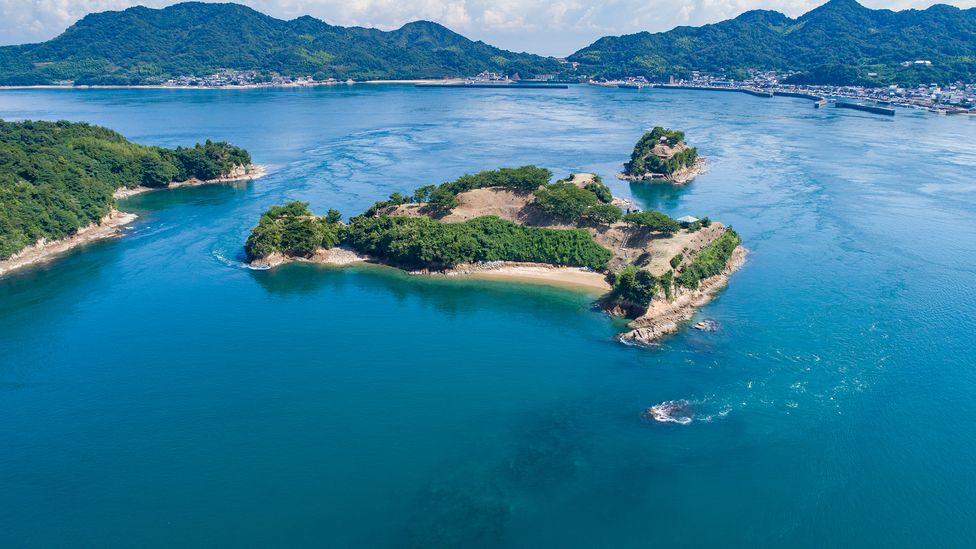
(575, 278)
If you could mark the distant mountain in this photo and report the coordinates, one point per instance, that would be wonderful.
(144, 46)
(840, 42)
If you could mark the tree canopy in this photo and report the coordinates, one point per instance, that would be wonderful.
(643, 159)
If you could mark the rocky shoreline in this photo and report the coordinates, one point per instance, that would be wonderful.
(338, 257)
(110, 226)
(678, 178)
(666, 317)
(239, 173)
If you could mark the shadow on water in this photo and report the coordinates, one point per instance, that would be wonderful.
(448, 295)
(657, 196)
(458, 514)
(203, 195)
(75, 270)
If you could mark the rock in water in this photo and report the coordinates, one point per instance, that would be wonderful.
(670, 411)
(707, 325)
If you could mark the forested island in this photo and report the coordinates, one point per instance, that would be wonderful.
(663, 154)
(514, 223)
(60, 179)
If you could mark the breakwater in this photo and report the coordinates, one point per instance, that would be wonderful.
(866, 108)
(799, 95)
(748, 91)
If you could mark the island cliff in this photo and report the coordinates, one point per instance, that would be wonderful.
(515, 224)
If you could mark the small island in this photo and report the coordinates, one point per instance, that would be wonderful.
(60, 182)
(514, 224)
(662, 155)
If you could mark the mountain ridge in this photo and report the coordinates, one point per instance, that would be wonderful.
(141, 45)
(839, 42)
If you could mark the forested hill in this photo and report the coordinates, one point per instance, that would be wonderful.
(57, 177)
(839, 42)
(145, 46)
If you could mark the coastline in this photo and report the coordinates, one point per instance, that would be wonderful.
(574, 278)
(336, 257)
(43, 251)
(241, 173)
(666, 317)
(227, 87)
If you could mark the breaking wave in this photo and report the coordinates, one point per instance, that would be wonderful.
(670, 411)
(218, 254)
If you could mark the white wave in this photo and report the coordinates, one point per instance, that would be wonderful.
(670, 411)
(218, 254)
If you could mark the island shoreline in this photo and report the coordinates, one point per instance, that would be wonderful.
(110, 225)
(539, 274)
(249, 173)
(43, 251)
(665, 317)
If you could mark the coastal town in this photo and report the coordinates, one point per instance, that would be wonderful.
(956, 98)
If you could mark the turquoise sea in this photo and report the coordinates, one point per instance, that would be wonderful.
(155, 393)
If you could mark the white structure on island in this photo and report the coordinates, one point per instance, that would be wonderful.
(687, 220)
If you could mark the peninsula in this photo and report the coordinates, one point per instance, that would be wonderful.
(662, 154)
(60, 181)
(513, 223)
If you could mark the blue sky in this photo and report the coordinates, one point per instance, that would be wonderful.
(555, 27)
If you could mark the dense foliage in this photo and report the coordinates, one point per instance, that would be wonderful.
(293, 231)
(710, 261)
(145, 46)
(654, 221)
(421, 242)
(643, 160)
(441, 199)
(56, 177)
(632, 286)
(525, 179)
(839, 42)
(570, 203)
(600, 189)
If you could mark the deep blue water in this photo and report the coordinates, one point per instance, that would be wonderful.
(154, 393)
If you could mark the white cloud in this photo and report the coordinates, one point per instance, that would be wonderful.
(554, 27)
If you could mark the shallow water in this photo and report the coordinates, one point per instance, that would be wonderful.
(155, 393)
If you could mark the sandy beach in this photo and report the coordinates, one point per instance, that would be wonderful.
(576, 278)
(109, 226)
(249, 173)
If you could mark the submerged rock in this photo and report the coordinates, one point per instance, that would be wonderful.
(707, 325)
(670, 411)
